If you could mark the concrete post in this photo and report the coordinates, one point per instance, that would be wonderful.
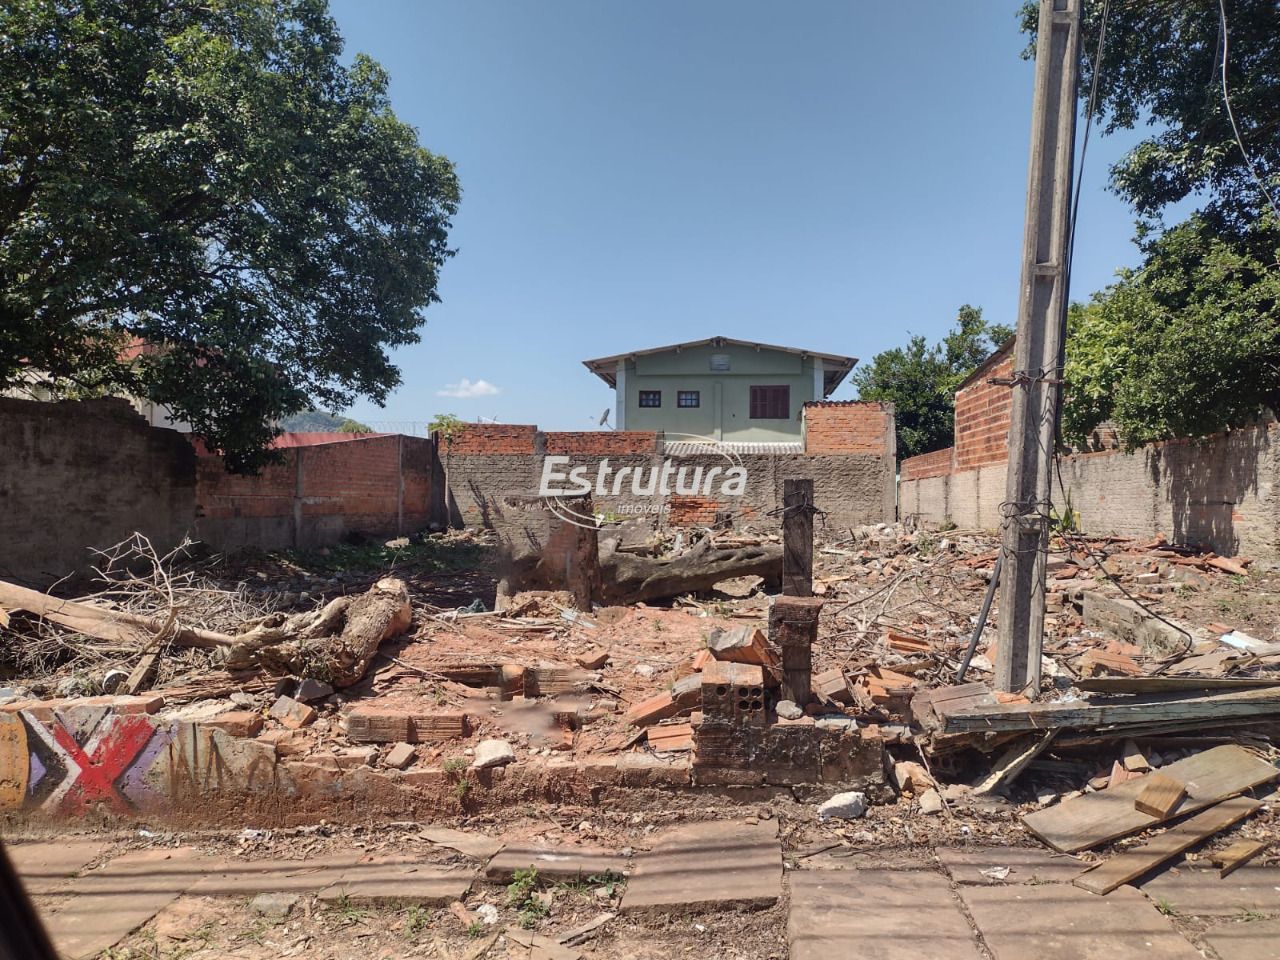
(1042, 306)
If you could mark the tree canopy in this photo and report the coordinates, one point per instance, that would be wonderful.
(203, 206)
(1162, 68)
(920, 379)
(1189, 342)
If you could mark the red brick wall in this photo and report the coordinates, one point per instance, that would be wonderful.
(935, 464)
(224, 496)
(350, 485)
(848, 427)
(602, 443)
(360, 479)
(982, 419)
(689, 511)
(488, 438)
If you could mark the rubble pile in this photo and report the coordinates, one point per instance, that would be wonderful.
(1160, 686)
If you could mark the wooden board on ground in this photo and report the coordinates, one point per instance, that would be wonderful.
(1086, 821)
(1136, 861)
(1012, 763)
(1171, 684)
(1089, 716)
(1160, 796)
(1237, 855)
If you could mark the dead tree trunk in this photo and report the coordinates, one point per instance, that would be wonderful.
(335, 644)
(627, 578)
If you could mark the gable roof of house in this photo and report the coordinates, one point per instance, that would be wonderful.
(835, 367)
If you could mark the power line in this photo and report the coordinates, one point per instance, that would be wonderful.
(1226, 99)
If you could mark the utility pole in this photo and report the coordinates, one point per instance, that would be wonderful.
(1042, 305)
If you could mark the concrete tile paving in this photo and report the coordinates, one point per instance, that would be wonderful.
(399, 881)
(247, 878)
(46, 866)
(1025, 865)
(876, 915)
(1251, 940)
(1062, 922)
(1199, 891)
(555, 863)
(712, 865)
(106, 905)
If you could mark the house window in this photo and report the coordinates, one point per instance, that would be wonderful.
(688, 398)
(720, 362)
(771, 403)
(650, 398)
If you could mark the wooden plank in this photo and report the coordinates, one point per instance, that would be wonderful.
(141, 676)
(1043, 716)
(1086, 821)
(1171, 684)
(1133, 759)
(1160, 796)
(1237, 855)
(1013, 762)
(797, 537)
(1136, 861)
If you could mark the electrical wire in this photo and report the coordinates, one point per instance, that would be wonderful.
(1226, 100)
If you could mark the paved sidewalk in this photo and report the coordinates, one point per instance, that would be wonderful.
(960, 904)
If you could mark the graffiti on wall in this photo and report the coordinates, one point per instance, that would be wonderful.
(69, 761)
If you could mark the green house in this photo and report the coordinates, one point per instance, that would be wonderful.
(719, 389)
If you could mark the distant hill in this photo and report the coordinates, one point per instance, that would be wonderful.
(312, 421)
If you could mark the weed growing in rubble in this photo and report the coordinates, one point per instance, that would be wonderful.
(415, 921)
(461, 789)
(476, 930)
(1164, 906)
(612, 883)
(522, 895)
(455, 765)
(347, 912)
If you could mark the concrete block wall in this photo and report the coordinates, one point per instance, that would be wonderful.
(852, 469)
(1221, 491)
(81, 475)
(378, 485)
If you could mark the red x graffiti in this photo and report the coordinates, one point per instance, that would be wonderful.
(96, 781)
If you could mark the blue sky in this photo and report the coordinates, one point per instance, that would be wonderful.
(829, 174)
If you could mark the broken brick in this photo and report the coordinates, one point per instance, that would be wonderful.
(400, 756)
(238, 723)
(292, 713)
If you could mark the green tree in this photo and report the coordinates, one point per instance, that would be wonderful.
(353, 426)
(1162, 68)
(1188, 343)
(200, 204)
(920, 380)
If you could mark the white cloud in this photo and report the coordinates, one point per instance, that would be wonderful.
(466, 389)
